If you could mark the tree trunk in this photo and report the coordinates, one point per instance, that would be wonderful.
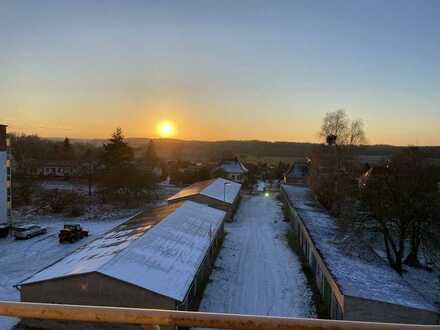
(394, 255)
(398, 265)
(412, 259)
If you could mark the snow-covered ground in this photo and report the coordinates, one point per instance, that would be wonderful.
(256, 272)
(68, 185)
(21, 259)
(427, 283)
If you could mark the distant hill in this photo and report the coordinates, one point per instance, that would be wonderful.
(252, 150)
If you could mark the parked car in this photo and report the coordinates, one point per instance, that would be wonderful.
(72, 233)
(4, 229)
(28, 231)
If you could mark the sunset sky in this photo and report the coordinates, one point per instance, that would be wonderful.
(228, 69)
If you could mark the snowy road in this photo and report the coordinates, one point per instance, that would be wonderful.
(256, 272)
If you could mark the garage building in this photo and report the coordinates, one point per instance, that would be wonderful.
(160, 259)
(355, 284)
(219, 193)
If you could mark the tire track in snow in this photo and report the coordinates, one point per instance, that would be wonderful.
(256, 271)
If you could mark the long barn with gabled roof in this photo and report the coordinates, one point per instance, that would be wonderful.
(160, 259)
(354, 282)
(218, 193)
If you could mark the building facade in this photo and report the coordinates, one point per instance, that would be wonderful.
(298, 174)
(5, 177)
(55, 169)
(355, 284)
(234, 169)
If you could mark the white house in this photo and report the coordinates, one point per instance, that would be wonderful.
(234, 169)
(5, 177)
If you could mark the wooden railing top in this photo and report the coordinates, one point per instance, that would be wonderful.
(150, 317)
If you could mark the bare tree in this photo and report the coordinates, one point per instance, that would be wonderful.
(337, 124)
(356, 134)
(333, 169)
(403, 202)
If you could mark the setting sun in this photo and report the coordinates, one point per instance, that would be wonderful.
(166, 129)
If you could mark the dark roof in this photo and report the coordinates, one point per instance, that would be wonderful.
(298, 170)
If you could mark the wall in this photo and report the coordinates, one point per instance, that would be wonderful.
(237, 177)
(3, 188)
(302, 181)
(331, 295)
(358, 309)
(195, 293)
(90, 289)
(215, 203)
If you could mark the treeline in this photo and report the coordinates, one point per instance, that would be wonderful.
(207, 150)
(32, 147)
(119, 175)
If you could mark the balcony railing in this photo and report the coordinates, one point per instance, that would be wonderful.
(152, 318)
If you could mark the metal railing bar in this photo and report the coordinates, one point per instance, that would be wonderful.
(186, 319)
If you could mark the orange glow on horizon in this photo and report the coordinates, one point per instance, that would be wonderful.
(166, 129)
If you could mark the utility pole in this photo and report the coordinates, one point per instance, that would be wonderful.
(224, 190)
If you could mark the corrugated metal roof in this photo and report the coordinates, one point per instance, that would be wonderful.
(159, 250)
(220, 189)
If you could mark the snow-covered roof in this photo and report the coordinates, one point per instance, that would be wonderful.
(298, 170)
(27, 226)
(216, 188)
(233, 166)
(159, 250)
(358, 270)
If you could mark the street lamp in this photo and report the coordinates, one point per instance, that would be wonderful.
(224, 190)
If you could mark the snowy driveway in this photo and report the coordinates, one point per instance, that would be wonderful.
(256, 272)
(21, 259)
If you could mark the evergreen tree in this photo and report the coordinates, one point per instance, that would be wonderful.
(117, 153)
(120, 179)
(150, 157)
(67, 150)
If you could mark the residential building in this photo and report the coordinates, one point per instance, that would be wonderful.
(219, 193)
(354, 282)
(55, 168)
(233, 169)
(160, 259)
(298, 173)
(5, 177)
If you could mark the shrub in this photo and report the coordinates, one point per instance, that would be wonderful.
(58, 201)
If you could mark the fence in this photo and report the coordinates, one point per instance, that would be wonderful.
(155, 318)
